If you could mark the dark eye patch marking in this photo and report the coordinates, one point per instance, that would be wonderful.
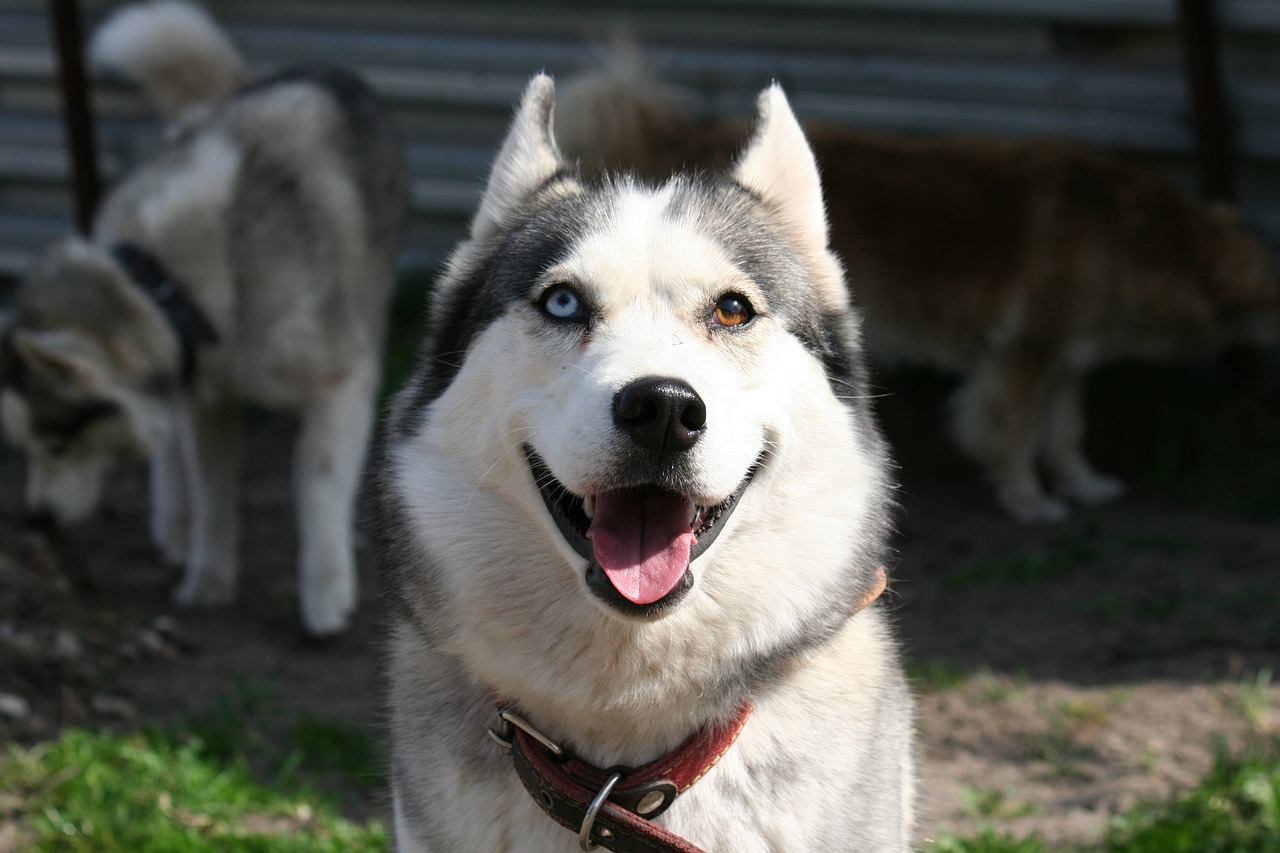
(503, 275)
(55, 420)
(60, 424)
(743, 226)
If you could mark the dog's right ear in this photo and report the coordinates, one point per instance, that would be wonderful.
(528, 157)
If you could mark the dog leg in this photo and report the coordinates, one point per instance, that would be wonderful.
(328, 463)
(212, 459)
(1068, 469)
(170, 508)
(995, 418)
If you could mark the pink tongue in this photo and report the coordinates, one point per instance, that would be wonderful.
(642, 541)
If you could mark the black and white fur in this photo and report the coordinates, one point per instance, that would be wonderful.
(276, 206)
(493, 595)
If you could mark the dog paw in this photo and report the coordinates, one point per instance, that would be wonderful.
(1037, 508)
(326, 619)
(204, 591)
(327, 607)
(1094, 489)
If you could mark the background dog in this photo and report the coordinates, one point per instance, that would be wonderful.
(633, 483)
(250, 259)
(1019, 265)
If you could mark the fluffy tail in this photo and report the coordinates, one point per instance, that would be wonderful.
(174, 50)
(620, 117)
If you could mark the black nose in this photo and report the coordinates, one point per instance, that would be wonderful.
(660, 414)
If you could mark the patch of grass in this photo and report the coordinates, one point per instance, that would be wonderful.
(153, 793)
(1236, 808)
(1024, 569)
(991, 803)
(935, 676)
(1082, 712)
(1061, 752)
(988, 841)
(1253, 701)
(1107, 606)
(229, 727)
(248, 722)
(327, 746)
(995, 689)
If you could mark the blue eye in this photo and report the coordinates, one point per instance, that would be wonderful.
(559, 301)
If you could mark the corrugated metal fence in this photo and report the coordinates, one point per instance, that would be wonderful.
(1108, 72)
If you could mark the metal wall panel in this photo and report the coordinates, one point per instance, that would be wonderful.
(1107, 72)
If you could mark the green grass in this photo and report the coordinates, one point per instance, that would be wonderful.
(1235, 809)
(160, 791)
(238, 776)
(935, 676)
(336, 746)
(154, 793)
(1024, 569)
(248, 723)
(987, 841)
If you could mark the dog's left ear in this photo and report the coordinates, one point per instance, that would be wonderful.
(528, 157)
(779, 165)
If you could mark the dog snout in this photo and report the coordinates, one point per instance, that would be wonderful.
(660, 414)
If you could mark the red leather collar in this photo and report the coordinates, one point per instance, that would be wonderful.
(613, 807)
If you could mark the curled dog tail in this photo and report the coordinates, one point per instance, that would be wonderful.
(174, 50)
(620, 117)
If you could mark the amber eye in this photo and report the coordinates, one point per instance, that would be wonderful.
(733, 309)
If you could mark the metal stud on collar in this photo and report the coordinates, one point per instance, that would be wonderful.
(589, 819)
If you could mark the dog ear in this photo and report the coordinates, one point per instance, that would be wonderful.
(528, 157)
(59, 355)
(779, 165)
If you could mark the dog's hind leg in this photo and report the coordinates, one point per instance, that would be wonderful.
(1066, 465)
(996, 418)
(211, 449)
(170, 507)
(329, 460)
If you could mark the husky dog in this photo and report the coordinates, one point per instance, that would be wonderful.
(249, 260)
(633, 488)
(1019, 265)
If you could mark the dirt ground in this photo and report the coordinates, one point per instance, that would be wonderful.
(1064, 672)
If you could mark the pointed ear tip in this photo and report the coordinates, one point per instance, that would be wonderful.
(541, 86)
(773, 93)
(771, 102)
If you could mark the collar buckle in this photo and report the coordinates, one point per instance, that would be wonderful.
(504, 732)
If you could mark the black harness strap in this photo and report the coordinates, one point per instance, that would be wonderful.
(186, 318)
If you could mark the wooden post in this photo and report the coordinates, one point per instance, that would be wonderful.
(77, 116)
(1213, 131)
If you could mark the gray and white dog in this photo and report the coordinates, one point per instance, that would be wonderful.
(633, 487)
(249, 260)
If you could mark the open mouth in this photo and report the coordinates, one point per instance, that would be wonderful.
(638, 542)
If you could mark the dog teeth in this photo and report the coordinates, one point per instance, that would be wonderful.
(589, 506)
